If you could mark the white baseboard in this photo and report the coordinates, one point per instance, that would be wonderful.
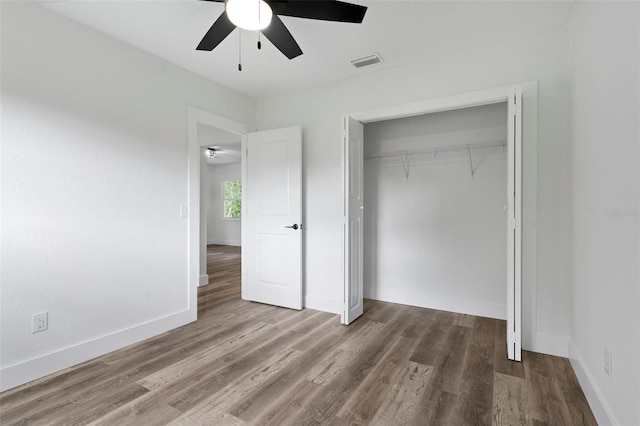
(236, 243)
(322, 304)
(423, 300)
(26, 371)
(547, 344)
(204, 280)
(601, 410)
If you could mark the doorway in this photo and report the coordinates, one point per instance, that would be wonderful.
(220, 206)
(205, 130)
(271, 223)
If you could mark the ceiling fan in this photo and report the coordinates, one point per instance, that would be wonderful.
(222, 153)
(263, 16)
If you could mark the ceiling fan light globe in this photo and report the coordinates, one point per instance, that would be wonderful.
(253, 15)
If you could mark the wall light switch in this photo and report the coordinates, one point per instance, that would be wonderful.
(184, 211)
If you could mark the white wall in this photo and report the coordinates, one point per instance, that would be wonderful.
(605, 155)
(221, 230)
(437, 238)
(542, 58)
(94, 170)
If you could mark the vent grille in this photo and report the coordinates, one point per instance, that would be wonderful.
(364, 61)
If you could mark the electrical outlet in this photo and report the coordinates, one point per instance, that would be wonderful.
(607, 362)
(39, 322)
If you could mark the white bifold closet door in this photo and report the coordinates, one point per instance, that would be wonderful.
(353, 228)
(514, 226)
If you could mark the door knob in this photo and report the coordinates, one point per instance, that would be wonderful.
(294, 226)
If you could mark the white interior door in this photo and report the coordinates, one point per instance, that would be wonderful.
(272, 214)
(354, 209)
(514, 227)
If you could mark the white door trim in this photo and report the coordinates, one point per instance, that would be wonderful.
(197, 116)
(464, 100)
(529, 171)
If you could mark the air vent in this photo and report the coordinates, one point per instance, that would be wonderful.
(364, 61)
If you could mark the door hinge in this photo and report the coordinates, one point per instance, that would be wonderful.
(513, 223)
(512, 338)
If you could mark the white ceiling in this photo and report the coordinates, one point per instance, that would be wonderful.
(402, 31)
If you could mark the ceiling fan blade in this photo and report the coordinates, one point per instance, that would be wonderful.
(281, 38)
(325, 10)
(218, 32)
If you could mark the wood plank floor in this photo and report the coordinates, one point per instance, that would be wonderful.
(248, 363)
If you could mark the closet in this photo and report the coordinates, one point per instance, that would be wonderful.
(435, 210)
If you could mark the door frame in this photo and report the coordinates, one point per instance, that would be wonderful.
(528, 173)
(197, 116)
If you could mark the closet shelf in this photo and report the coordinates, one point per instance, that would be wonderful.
(407, 156)
(437, 150)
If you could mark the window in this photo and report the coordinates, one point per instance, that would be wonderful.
(232, 199)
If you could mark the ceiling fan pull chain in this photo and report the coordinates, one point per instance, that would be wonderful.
(239, 49)
(259, 20)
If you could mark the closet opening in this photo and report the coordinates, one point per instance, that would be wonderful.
(401, 214)
(435, 210)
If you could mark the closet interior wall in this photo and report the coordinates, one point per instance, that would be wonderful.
(435, 219)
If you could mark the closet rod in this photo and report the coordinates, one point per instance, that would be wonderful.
(439, 149)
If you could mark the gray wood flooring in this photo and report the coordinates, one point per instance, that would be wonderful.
(248, 363)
